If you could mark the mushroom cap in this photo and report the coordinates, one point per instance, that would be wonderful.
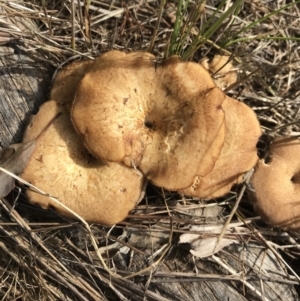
(62, 167)
(165, 119)
(238, 154)
(191, 143)
(67, 79)
(222, 69)
(277, 185)
(110, 106)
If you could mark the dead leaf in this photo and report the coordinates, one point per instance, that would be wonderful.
(203, 246)
(14, 159)
(6, 154)
(208, 212)
(144, 240)
(7, 184)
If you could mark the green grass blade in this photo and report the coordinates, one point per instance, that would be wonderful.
(181, 9)
(235, 38)
(211, 27)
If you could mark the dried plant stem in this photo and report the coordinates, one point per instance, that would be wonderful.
(233, 272)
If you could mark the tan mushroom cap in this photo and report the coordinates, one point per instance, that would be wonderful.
(61, 166)
(110, 105)
(165, 119)
(67, 79)
(277, 185)
(222, 69)
(238, 154)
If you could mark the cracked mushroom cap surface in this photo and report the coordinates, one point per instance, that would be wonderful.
(62, 167)
(166, 119)
(277, 185)
(238, 154)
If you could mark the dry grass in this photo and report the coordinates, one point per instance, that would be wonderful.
(46, 257)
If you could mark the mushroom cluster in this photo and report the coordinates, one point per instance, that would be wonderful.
(277, 184)
(137, 119)
(101, 192)
(168, 120)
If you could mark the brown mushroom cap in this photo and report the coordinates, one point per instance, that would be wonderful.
(277, 184)
(238, 154)
(67, 79)
(166, 119)
(109, 106)
(222, 69)
(62, 167)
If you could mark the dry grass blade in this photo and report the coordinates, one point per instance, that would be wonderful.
(47, 257)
